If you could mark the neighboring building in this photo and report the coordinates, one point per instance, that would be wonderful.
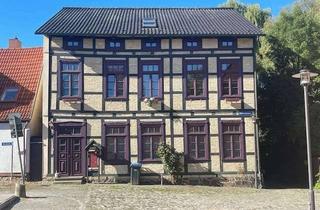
(20, 92)
(131, 79)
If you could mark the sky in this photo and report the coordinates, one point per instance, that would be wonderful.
(21, 18)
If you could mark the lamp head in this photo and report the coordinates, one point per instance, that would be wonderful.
(305, 76)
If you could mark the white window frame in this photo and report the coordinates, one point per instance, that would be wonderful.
(7, 90)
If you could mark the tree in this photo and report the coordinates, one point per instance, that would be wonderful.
(292, 42)
(253, 12)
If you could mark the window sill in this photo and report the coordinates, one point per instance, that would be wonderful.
(146, 161)
(197, 160)
(234, 160)
(116, 99)
(71, 99)
(191, 98)
(232, 98)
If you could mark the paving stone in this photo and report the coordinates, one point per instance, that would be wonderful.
(126, 196)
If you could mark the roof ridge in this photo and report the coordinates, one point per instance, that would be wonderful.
(24, 48)
(161, 8)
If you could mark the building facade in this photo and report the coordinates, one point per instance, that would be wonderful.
(131, 79)
(20, 92)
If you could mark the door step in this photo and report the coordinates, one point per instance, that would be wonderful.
(69, 180)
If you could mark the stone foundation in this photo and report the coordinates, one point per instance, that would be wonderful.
(6, 180)
(207, 180)
(239, 181)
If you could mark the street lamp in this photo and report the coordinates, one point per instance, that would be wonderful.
(305, 78)
(258, 177)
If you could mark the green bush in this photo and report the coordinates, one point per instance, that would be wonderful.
(171, 160)
(317, 185)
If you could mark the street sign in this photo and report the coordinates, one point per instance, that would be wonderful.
(245, 113)
(15, 123)
(8, 143)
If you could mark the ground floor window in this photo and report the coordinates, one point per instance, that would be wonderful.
(232, 140)
(196, 140)
(151, 136)
(116, 142)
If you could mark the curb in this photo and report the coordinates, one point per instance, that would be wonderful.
(9, 202)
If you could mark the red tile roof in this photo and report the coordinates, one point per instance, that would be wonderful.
(20, 68)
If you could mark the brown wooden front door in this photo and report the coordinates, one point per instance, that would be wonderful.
(69, 156)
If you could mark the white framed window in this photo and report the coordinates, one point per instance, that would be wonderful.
(10, 94)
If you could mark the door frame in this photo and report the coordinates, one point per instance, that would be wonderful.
(83, 136)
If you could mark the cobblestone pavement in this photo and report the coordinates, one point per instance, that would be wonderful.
(122, 196)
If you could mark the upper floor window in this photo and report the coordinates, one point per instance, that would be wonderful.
(115, 44)
(197, 145)
(151, 136)
(227, 43)
(151, 79)
(230, 78)
(115, 76)
(195, 79)
(192, 43)
(10, 94)
(151, 44)
(70, 79)
(116, 143)
(232, 140)
(72, 42)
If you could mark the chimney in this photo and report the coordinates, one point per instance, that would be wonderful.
(14, 43)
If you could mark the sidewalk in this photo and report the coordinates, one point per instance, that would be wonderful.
(5, 195)
(7, 192)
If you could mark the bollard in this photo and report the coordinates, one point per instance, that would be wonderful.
(20, 190)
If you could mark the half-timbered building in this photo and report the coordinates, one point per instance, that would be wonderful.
(132, 78)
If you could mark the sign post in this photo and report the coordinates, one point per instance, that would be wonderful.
(16, 132)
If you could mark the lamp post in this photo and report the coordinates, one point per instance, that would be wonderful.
(258, 179)
(305, 79)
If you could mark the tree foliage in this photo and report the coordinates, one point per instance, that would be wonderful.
(253, 12)
(291, 42)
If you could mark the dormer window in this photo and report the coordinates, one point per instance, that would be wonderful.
(9, 94)
(72, 42)
(227, 43)
(149, 23)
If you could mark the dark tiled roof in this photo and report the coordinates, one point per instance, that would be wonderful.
(128, 22)
(20, 68)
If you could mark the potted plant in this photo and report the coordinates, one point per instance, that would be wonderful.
(150, 101)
